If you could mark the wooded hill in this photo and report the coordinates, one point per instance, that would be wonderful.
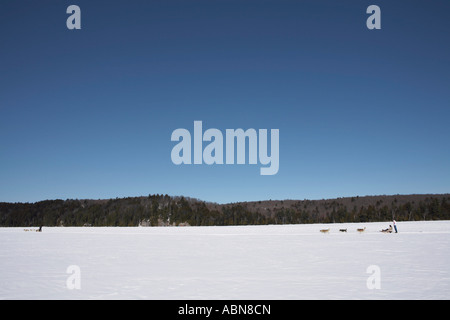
(164, 210)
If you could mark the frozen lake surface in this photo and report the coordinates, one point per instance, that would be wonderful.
(238, 262)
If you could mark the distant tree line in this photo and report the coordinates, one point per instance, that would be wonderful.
(164, 210)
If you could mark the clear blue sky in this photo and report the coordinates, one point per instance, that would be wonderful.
(89, 113)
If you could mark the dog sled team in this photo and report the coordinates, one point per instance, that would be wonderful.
(361, 230)
(37, 230)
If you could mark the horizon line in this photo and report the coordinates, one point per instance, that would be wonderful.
(227, 203)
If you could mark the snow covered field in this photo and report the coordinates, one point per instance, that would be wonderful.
(242, 262)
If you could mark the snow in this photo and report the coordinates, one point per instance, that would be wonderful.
(237, 262)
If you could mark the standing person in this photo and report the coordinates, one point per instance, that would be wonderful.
(395, 226)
